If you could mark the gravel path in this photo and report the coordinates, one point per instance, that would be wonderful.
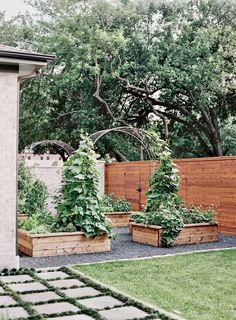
(124, 248)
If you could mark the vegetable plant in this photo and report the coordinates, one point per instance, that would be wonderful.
(121, 205)
(78, 202)
(32, 192)
(164, 207)
(109, 203)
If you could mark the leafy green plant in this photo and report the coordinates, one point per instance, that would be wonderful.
(109, 203)
(196, 215)
(121, 205)
(78, 202)
(37, 223)
(106, 202)
(164, 207)
(32, 192)
(164, 184)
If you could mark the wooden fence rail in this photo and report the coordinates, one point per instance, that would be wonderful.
(205, 181)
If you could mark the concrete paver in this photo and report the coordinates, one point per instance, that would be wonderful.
(75, 317)
(7, 301)
(53, 275)
(23, 287)
(123, 313)
(57, 307)
(13, 313)
(100, 302)
(81, 292)
(16, 278)
(49, 301)
(39, 297)
(66, 283)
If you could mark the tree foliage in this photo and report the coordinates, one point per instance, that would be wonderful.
(130, 63)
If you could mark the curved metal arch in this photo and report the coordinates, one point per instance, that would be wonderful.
(65, 146)
(138, 134)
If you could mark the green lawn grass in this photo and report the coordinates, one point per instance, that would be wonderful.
(199, 286)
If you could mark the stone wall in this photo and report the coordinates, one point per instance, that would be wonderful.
(8, 168)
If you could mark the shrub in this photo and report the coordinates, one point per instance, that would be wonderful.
(78, 202)
(32, 192)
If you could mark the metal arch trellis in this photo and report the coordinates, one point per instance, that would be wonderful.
(65, 146)
(143, 137)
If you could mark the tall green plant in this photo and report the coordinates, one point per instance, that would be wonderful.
(78, 202)
(164, 207)
(32, 192)
(164, 184)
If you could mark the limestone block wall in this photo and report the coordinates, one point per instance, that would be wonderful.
(8, 168)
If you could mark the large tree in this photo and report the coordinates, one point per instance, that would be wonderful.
(133, 64)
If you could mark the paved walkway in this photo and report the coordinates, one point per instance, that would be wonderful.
(65, 295)
(124, 248)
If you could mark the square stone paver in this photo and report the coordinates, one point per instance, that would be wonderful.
(22, 287)
(13, 313)
(7, 301)
(66, 283)
(81, 292)
(1, 290)
(57, 307)
(100, 302)
(53, 275)
(16, 278)
(123, 313)
(39, 297)
(75, 317)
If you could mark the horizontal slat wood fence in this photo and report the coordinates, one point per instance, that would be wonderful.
(205, 181)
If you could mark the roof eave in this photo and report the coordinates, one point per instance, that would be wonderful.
(27, 56)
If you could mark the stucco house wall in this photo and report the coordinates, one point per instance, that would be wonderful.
(8, 158)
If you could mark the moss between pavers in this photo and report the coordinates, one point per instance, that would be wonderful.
(34, 315)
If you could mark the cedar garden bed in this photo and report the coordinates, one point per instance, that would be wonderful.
(190, 234)
(23, 216)
(118, 219)
(61, 243)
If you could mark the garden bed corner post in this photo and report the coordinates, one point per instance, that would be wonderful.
(15, 66)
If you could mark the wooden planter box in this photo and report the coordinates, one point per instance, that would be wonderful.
(61, 243)
(23, 216)
(118, 219)
(131, 224)
(191, 233)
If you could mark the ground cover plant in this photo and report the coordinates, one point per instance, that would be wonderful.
(109, 203)
(197, 286)
(77, 202)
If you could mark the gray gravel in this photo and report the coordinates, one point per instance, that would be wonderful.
(124, 248)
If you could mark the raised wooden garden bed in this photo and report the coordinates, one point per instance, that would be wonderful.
(191, 233)
(23, 216)
(61, 243)
(118, 219)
